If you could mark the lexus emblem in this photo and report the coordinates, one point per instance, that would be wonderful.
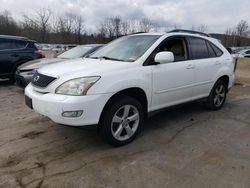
(36, 78)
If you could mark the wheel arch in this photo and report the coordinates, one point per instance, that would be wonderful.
(224, 78)
(134, 92)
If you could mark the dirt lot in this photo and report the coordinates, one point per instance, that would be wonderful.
(183, 147)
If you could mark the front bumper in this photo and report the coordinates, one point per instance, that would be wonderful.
(53, 105)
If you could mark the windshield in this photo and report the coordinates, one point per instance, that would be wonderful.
(128, 48)
(76, 52)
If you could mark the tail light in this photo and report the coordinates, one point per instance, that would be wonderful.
(38, 52)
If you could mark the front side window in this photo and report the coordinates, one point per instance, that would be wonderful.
(177, 46)
(128, 48)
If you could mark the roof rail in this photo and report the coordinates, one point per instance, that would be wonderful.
(137, 33)
(13, 37)
(189, 31)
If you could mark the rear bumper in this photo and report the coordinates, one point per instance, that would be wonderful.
(231, 81)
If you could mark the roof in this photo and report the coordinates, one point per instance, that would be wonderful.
(13, 37)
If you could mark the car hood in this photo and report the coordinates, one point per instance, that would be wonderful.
(82, 67)
(38, 63)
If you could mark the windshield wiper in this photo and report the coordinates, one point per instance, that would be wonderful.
(91, 57)
(110, 58)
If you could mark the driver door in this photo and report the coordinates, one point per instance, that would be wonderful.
(173, 82)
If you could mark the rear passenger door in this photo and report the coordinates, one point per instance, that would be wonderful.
(5, 56)
(10, 53)
(205, 56)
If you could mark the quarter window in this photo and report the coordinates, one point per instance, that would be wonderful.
(210, 50)
(217, 51)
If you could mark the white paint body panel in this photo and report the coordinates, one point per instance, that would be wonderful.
(164, 84)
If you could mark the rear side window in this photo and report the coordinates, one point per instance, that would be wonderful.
(6, 44)
(199, 48)
(20, 44)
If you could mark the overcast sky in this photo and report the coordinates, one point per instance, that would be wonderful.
(217, 15)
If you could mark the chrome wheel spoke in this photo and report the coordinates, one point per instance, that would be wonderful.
(222, 95)
(219, 95)
(126, 111)
(215, 100)
(133, 117)
(129, 131)
(118, 132)
(117, 119)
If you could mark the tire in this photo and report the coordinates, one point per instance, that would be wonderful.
(121, 121)
(217, 96)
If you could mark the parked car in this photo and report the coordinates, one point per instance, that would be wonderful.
(127, 80)
(15, 51)
(244, 53)
(58, 48)
(25, 72)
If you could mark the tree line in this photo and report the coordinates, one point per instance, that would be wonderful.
(46, 27)
(237, 35)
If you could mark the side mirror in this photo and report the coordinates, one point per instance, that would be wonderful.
(164, 57)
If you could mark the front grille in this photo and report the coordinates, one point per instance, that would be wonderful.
(41, 80)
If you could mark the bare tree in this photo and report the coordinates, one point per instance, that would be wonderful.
(7, 24)
(242, 28)
(241, 31)
(40, 21)
(44, 16)
(78, 27)
(145, 25)
(202, 28)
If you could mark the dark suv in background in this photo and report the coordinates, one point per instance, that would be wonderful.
(15, 51)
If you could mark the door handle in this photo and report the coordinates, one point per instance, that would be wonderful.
(190, 66)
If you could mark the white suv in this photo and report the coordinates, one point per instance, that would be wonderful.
(120, 84)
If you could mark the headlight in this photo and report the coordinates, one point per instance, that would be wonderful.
(78, 86)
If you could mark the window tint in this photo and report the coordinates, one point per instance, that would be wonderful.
(248, 52)
(217, 51)
(177, 46)
(19, 44)
(199, 48)
(11, 44)
(6, 44)
(210, 50)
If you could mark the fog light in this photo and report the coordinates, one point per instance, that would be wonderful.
(77, 113)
